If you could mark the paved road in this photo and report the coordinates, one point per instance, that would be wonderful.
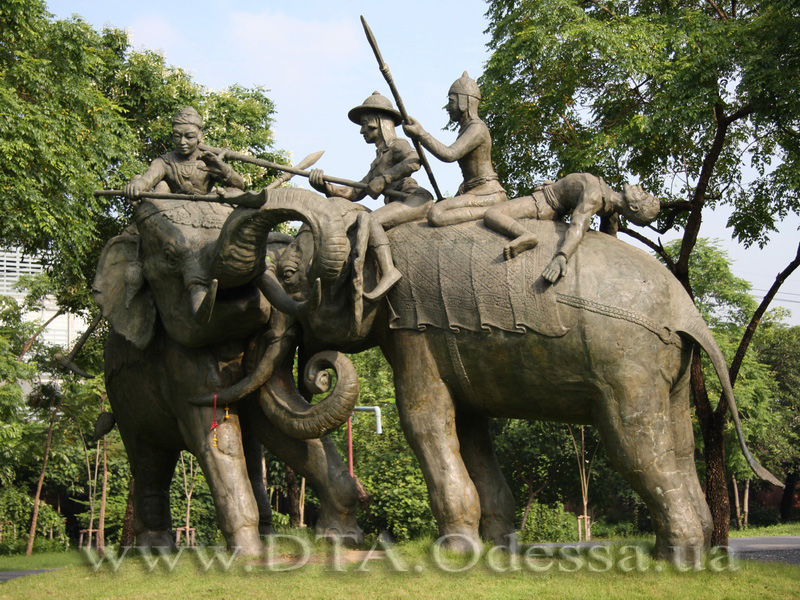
(784, 548)
(6, 575)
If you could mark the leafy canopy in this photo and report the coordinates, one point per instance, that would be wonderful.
(696, 99)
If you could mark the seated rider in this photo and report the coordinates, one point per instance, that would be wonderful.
(580, 194)
(394, 162)
(473, 151)
(186, 170)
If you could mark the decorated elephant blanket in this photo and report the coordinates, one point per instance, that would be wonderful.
(456, 278)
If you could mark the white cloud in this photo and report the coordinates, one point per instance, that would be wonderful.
(156, 33)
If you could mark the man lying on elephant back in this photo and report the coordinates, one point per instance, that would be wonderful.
(186, 170)
(580, 194)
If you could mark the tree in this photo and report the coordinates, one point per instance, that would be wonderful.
(82, 110)
(683, 95)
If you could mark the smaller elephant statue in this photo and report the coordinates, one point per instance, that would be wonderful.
(187, 293)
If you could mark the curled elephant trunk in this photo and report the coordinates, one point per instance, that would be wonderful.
(240, 254)
(290, 412)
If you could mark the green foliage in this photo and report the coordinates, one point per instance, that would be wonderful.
(16, 508)
(549, 524)
(82, 110)
(629, 87)
(384, 463)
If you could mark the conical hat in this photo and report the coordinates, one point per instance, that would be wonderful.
(376, 103)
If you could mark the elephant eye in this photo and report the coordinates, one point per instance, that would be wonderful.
(171, 258)
(288, 273)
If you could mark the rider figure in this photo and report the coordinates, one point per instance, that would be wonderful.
(186, 170)
(395, 160)
(473, 151)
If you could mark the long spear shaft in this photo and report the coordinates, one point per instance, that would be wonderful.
(247, 199)
(387, 75)
(294, 170)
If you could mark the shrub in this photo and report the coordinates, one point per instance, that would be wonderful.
(549, 524)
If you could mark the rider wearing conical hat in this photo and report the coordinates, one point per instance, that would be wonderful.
(473, 151)
(395, 160)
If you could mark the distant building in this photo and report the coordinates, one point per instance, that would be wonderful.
(65, 329)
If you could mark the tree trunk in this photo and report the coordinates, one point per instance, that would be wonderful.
(293, 496)
(787, 499)
(737, 510)
(746, 503)
(127, 535)
(101, 520)
(37, 497)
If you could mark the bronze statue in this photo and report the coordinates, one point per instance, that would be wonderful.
(395, 161)
(468, 338)
(174, 338)
(580, 195)
(473, 151)
(187, 169)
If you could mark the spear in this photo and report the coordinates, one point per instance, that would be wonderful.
(230, 154)
(387, 75)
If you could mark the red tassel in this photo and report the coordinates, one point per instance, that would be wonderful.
(214, 424)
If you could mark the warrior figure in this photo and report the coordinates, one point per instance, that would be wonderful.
(473, 151)
(580, 194)
(186, 170)
(394, 162)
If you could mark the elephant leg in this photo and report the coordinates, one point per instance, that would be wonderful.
(226, 472)
(318, 461)
(496, 499)
(635, 422)
(428, 417)
(254, 458)
(683, 434)
(152, 469)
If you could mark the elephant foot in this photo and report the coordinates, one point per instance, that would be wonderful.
(349, 535)
(462, 542)
(501, 537)
(266, 529)
(163, 538)
(524, 242)
(387, 282)
(245, 542)
(683, 556)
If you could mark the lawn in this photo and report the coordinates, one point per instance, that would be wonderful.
(409, 571)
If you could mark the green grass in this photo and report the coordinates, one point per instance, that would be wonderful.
(45, 560)
(772, 530)
(581, 576)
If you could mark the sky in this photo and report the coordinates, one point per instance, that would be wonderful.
(314, 59)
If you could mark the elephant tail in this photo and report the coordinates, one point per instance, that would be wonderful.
(696, 328)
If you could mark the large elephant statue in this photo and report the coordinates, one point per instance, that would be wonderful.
(188, 295)
(470, 336)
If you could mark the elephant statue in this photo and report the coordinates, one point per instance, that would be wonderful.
(470, 335)
(189, 299)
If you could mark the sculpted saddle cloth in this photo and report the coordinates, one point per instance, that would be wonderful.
(456, 278)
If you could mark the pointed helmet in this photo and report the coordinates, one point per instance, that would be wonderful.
(465, 86)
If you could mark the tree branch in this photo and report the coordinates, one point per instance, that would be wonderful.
(720, 12)
(657, 248)
(736, 364)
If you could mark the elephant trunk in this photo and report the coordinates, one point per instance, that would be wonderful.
(290, 412)
(240, 253)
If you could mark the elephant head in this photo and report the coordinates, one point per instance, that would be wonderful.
(201, 270)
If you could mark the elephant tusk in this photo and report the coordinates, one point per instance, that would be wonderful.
(202, 300)
(273, 291)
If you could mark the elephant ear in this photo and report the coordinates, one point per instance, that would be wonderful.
(120, 291)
